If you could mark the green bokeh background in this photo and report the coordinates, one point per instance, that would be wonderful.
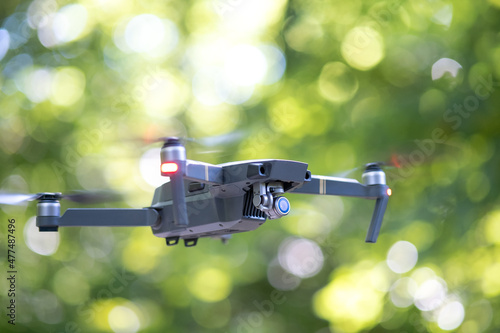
(362, 83)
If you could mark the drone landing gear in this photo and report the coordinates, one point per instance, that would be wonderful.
(189, 242)
(171, 241)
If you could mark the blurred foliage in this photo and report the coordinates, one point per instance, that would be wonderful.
(335, 84)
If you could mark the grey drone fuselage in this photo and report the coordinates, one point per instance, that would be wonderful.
(217, 210)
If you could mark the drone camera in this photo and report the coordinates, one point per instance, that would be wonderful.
(265, 198)
(281, 206)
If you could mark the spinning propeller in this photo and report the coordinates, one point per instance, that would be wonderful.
(86, 197)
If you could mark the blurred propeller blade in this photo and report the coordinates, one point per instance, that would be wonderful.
(88, 197)
(76, 196)
(207, 141)
(16, 198)
(217, 140)
(394, 161)
(379, 164)
(345, 173)
(385, 165)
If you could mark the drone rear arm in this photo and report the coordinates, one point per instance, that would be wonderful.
(377, 217)
(99, 217)
(350, 187)
(339, 186)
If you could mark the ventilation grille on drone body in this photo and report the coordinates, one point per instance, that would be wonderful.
(249, 210)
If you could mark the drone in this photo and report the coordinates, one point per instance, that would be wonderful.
(206, 200)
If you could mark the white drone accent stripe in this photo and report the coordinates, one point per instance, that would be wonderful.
(339, 179)
(206, 172)
(322, 182)
(322, 186)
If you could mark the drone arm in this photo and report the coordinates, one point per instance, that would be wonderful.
(353, 188)
(201, 172)
(175, 165)
(178, 197)
(337, 186)
(100, 217)
(204, 173)
(376, 222)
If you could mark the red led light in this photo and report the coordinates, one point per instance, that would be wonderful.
(389, 192)
(169, 167)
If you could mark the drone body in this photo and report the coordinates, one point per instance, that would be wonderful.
(205, 200)
(227, 206)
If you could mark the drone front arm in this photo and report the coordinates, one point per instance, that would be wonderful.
(100, 217)
(350, 187)
(200, 172)
(175, 165)
(204, 172)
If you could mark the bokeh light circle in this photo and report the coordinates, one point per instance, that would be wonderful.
(71, 286)
(122, 319)
(276, 63)
(363, 48)
(47, 307)
(402, 257)
(37, 85)
(69, 23)
(149, 166)
(430, 294)
(44, 243)
(448, 73)
(451, 315)
(210, 284)
(349, 302)
(4, 42)
(402, 292)
(245, 65)
(68, 85)
(445, 66)
(337, 82)
(147, 33)
(301, 257)
(281, 279)
(208, 86)
(144, 33)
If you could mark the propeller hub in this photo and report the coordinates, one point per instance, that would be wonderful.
(376, 166)
(171, 141)
(373, 175)
(47, 196)
(172, 150)
(48, 207)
